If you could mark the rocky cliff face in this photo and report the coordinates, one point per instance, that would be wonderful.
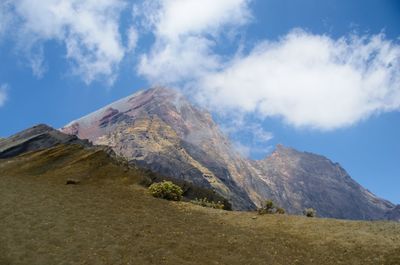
(160, 130)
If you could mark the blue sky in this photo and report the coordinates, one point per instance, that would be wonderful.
(320, 76)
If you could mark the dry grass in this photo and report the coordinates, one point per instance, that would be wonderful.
(108, 219)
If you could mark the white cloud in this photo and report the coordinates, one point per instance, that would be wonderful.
(310, 80)
(3, 93)
(37, 61)
(88, 29)
(186, 33)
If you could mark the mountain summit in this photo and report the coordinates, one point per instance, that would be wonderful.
(161, 130)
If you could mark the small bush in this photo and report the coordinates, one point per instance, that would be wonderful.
(166, 190)
(280, 210)
(270, 208)
(310, 212)
(206, 203)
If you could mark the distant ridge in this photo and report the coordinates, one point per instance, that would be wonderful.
(161, 130)
(35, 138)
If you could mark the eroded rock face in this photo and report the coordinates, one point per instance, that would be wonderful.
(160, 130)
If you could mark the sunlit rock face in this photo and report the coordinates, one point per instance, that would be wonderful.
(161, 130)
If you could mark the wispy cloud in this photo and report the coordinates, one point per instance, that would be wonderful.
(5, 17)
(248, 137)
(132, 36)
(250, 150)
(3, 93)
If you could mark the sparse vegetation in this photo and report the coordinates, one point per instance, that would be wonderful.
(269, 207)
(280, 210)
(166, 190)
(190, 190)
(206, 203)
(310, 212)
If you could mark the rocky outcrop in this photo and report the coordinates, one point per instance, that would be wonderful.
(160, 130)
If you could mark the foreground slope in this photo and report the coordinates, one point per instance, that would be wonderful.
(159, 129)
(108, 219)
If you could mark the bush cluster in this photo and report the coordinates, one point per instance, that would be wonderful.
(269, 207)
(310, 212)
(166, 190)
(210, 204)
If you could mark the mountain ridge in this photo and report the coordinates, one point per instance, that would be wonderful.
(38, 137)
(161, 130)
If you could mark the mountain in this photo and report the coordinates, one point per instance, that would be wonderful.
(161, 130)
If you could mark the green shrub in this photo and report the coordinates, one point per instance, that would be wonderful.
(310, 212)
(270, 208)
(166, 190)
(206, 203)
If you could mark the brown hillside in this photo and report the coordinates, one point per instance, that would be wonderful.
(109, 219)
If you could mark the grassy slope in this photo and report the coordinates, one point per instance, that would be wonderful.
(108, 219)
